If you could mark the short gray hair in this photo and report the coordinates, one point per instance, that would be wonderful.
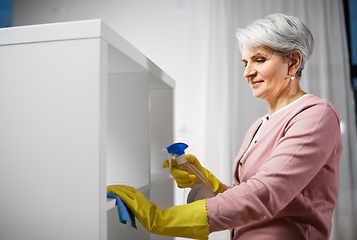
(279, 33)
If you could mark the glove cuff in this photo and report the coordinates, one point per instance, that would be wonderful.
(189, 221)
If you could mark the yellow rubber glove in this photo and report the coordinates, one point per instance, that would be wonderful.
(189, 220)
(184, 180)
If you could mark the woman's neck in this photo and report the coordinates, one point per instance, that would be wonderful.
(285, 98)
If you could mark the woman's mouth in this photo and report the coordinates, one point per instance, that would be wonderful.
(255, 84)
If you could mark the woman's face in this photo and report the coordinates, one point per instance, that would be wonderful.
(266, 73)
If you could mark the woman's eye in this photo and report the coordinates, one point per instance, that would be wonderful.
(261, 60)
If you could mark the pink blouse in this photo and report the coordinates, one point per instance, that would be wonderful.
(288, 185)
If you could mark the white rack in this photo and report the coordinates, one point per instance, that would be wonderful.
(81, 108)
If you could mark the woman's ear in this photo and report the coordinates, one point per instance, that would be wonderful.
(294, 59)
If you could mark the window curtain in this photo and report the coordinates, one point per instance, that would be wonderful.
(230, 107)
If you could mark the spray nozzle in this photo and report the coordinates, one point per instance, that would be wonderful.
(176, 150)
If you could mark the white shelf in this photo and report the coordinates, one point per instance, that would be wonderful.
(81, 108)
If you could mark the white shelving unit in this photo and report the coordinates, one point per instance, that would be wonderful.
(81, 108)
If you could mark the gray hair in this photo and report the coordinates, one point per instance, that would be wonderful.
(279, 33)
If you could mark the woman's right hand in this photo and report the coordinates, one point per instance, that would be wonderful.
(183, 178)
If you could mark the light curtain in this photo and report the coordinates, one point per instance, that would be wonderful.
(230, 107)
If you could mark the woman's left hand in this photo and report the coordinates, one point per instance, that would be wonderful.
(189, 220)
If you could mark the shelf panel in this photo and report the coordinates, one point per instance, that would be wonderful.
(51, 32)
(133, 58)
(111, 203)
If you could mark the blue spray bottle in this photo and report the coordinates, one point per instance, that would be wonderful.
(201, 188)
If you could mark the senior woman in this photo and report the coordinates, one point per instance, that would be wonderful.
(286, 173)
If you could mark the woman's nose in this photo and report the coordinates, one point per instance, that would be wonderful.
(249, 71)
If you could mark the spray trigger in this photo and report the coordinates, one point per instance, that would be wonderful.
(169, 156)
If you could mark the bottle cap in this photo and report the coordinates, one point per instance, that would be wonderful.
(177, 149)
